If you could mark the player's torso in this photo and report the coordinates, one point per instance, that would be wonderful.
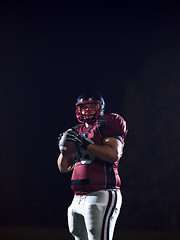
(90, 173)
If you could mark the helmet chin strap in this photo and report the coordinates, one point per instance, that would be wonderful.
(90, 120)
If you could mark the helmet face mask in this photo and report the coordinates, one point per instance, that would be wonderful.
(89, 107)
(88, 111)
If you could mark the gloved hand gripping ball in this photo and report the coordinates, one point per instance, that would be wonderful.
(76, 137)
(66, 146)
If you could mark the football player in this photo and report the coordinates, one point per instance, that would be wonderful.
(99, 139)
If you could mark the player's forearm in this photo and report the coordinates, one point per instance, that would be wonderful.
(65, 164)
(104, 152)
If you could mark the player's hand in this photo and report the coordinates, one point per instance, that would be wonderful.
(77, 138)
(61, 141)
(59, 138)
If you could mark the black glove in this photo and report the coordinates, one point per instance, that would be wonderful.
(80, 141)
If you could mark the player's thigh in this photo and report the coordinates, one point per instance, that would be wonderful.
(114, 215)
(76, 224)
(94, 211)
(101, 212)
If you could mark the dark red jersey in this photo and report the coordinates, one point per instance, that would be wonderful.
(90, 173)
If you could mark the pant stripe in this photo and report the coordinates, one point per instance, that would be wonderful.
(112, 211)
(108, 213)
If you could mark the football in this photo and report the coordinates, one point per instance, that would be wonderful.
(69, 148)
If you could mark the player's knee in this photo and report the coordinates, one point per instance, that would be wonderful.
(73, 230)
(71, 223)
(94, 220)
(94, 233)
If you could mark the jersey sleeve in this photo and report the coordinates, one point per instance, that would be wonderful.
(115, 127)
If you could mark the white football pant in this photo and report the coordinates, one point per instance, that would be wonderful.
(93, 216)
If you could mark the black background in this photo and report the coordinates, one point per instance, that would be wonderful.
(49, 53)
